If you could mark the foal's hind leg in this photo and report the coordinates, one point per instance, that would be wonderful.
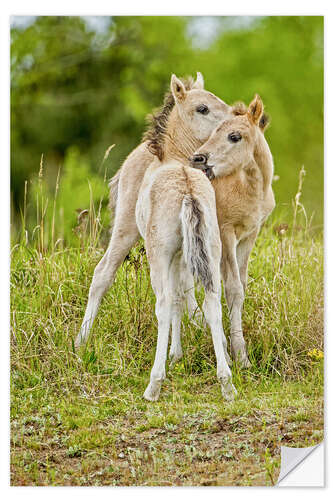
(177, 282)
(213, 314)
(159, 271)
(243, 251)
(124, 236)
(192, 305)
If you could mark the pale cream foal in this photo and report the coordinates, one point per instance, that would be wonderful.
(176, 215)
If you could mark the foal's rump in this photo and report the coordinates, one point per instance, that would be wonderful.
(176, 211)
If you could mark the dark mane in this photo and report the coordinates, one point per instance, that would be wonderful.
(239, 108)
(158, 120)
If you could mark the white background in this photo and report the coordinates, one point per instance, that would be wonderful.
(309, 472)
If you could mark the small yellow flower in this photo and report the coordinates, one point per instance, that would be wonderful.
(316, 354)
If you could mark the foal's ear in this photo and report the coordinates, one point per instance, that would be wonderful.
(264, 122)
(199, 83)
(255, 110)
(177, 88)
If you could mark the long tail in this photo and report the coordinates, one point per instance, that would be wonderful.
(196, 240)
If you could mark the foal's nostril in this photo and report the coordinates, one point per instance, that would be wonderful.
(199, 159)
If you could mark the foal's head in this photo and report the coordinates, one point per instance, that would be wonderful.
(234, 143)
(187, 118)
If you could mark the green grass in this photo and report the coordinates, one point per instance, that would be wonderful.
(78, 418)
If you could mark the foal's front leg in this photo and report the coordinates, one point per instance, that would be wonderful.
(243, 251)
(234, 294)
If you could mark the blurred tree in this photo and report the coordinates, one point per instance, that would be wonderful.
(280, 58)
(74, 86)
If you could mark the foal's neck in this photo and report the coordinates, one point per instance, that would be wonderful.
(264, 160)
(179, 143)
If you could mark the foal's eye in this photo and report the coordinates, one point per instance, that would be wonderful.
(203, 109)
(234, 137)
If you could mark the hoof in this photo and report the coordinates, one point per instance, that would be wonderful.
(228, 390)
(152, 393)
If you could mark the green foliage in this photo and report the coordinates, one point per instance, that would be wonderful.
(72, 86)
(80, 189)
(70, 211)
(280, 58)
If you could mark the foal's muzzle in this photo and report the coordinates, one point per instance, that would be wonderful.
(199, 161)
